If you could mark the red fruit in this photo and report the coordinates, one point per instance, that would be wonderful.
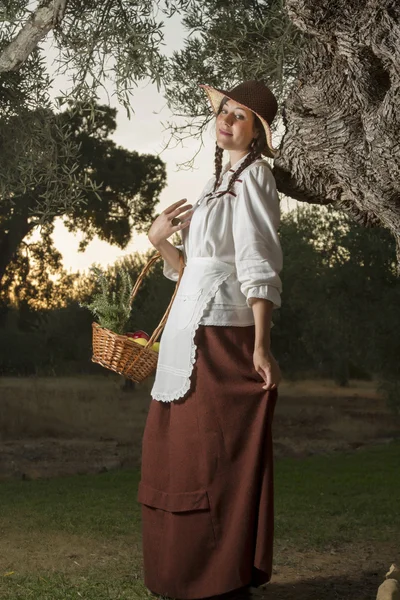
(138, 334)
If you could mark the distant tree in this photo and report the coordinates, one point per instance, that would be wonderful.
(128, 186)
(339, 312)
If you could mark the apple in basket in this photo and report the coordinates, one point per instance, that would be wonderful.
(138, 335)
(141, 337)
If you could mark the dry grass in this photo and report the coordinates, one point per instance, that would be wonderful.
(84, 407)
(60, 426)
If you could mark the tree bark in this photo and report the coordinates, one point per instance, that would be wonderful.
(47, 16)
(342, 116)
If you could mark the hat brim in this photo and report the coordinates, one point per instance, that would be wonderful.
(215, 97)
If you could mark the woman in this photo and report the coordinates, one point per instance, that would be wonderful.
(207, 472)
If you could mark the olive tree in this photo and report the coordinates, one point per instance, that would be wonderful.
(97, 43)
(333, 66)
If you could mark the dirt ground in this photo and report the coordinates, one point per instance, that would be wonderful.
(354, 573)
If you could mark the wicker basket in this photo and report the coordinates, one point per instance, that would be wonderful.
(121, 353)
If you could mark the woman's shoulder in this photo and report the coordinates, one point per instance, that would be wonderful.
(259, 172)
(258, 167)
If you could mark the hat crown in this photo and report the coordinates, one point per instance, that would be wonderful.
(256, 96)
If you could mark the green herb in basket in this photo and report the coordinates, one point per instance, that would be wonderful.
(112, 309)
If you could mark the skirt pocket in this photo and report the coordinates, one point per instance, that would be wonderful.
(184, 519)
(181, 502)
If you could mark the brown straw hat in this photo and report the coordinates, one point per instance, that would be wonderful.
(255, 96)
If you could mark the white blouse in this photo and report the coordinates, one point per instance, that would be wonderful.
(239, 228)
(232, 253)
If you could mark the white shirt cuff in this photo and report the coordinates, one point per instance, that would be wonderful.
(265, 291)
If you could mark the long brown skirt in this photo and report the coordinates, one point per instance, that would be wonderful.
(207, 475)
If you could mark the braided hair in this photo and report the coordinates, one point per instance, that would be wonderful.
(256, 148)
(218, 165)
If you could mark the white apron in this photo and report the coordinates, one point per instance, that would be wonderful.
(200, 281)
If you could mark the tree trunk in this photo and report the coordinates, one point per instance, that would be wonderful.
(342, 116)
(35, 29)
(11, 240)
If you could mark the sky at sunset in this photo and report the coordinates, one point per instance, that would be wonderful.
(145, 133)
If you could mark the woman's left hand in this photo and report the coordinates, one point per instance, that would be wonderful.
(266, 365)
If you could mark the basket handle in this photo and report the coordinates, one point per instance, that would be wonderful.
(160, 327)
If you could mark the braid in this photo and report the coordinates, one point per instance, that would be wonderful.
(218, 164)
(253, 155)
(218, 167)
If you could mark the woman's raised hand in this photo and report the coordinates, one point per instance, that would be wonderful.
(162, 227)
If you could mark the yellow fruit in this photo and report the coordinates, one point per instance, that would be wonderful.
(140, 341)
(156, 346)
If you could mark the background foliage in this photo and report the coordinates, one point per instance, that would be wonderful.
(339, 316)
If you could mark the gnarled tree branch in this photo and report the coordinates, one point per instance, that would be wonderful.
(342, 116)
(47, 16)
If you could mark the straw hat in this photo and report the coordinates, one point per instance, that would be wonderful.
(255, 96)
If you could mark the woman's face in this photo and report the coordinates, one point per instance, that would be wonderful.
(235, 127)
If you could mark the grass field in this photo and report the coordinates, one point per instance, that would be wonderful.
(78, 536)
(337, 531)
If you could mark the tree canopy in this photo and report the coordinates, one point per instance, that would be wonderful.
(332, 65)
(128, 185)
(98, 42)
